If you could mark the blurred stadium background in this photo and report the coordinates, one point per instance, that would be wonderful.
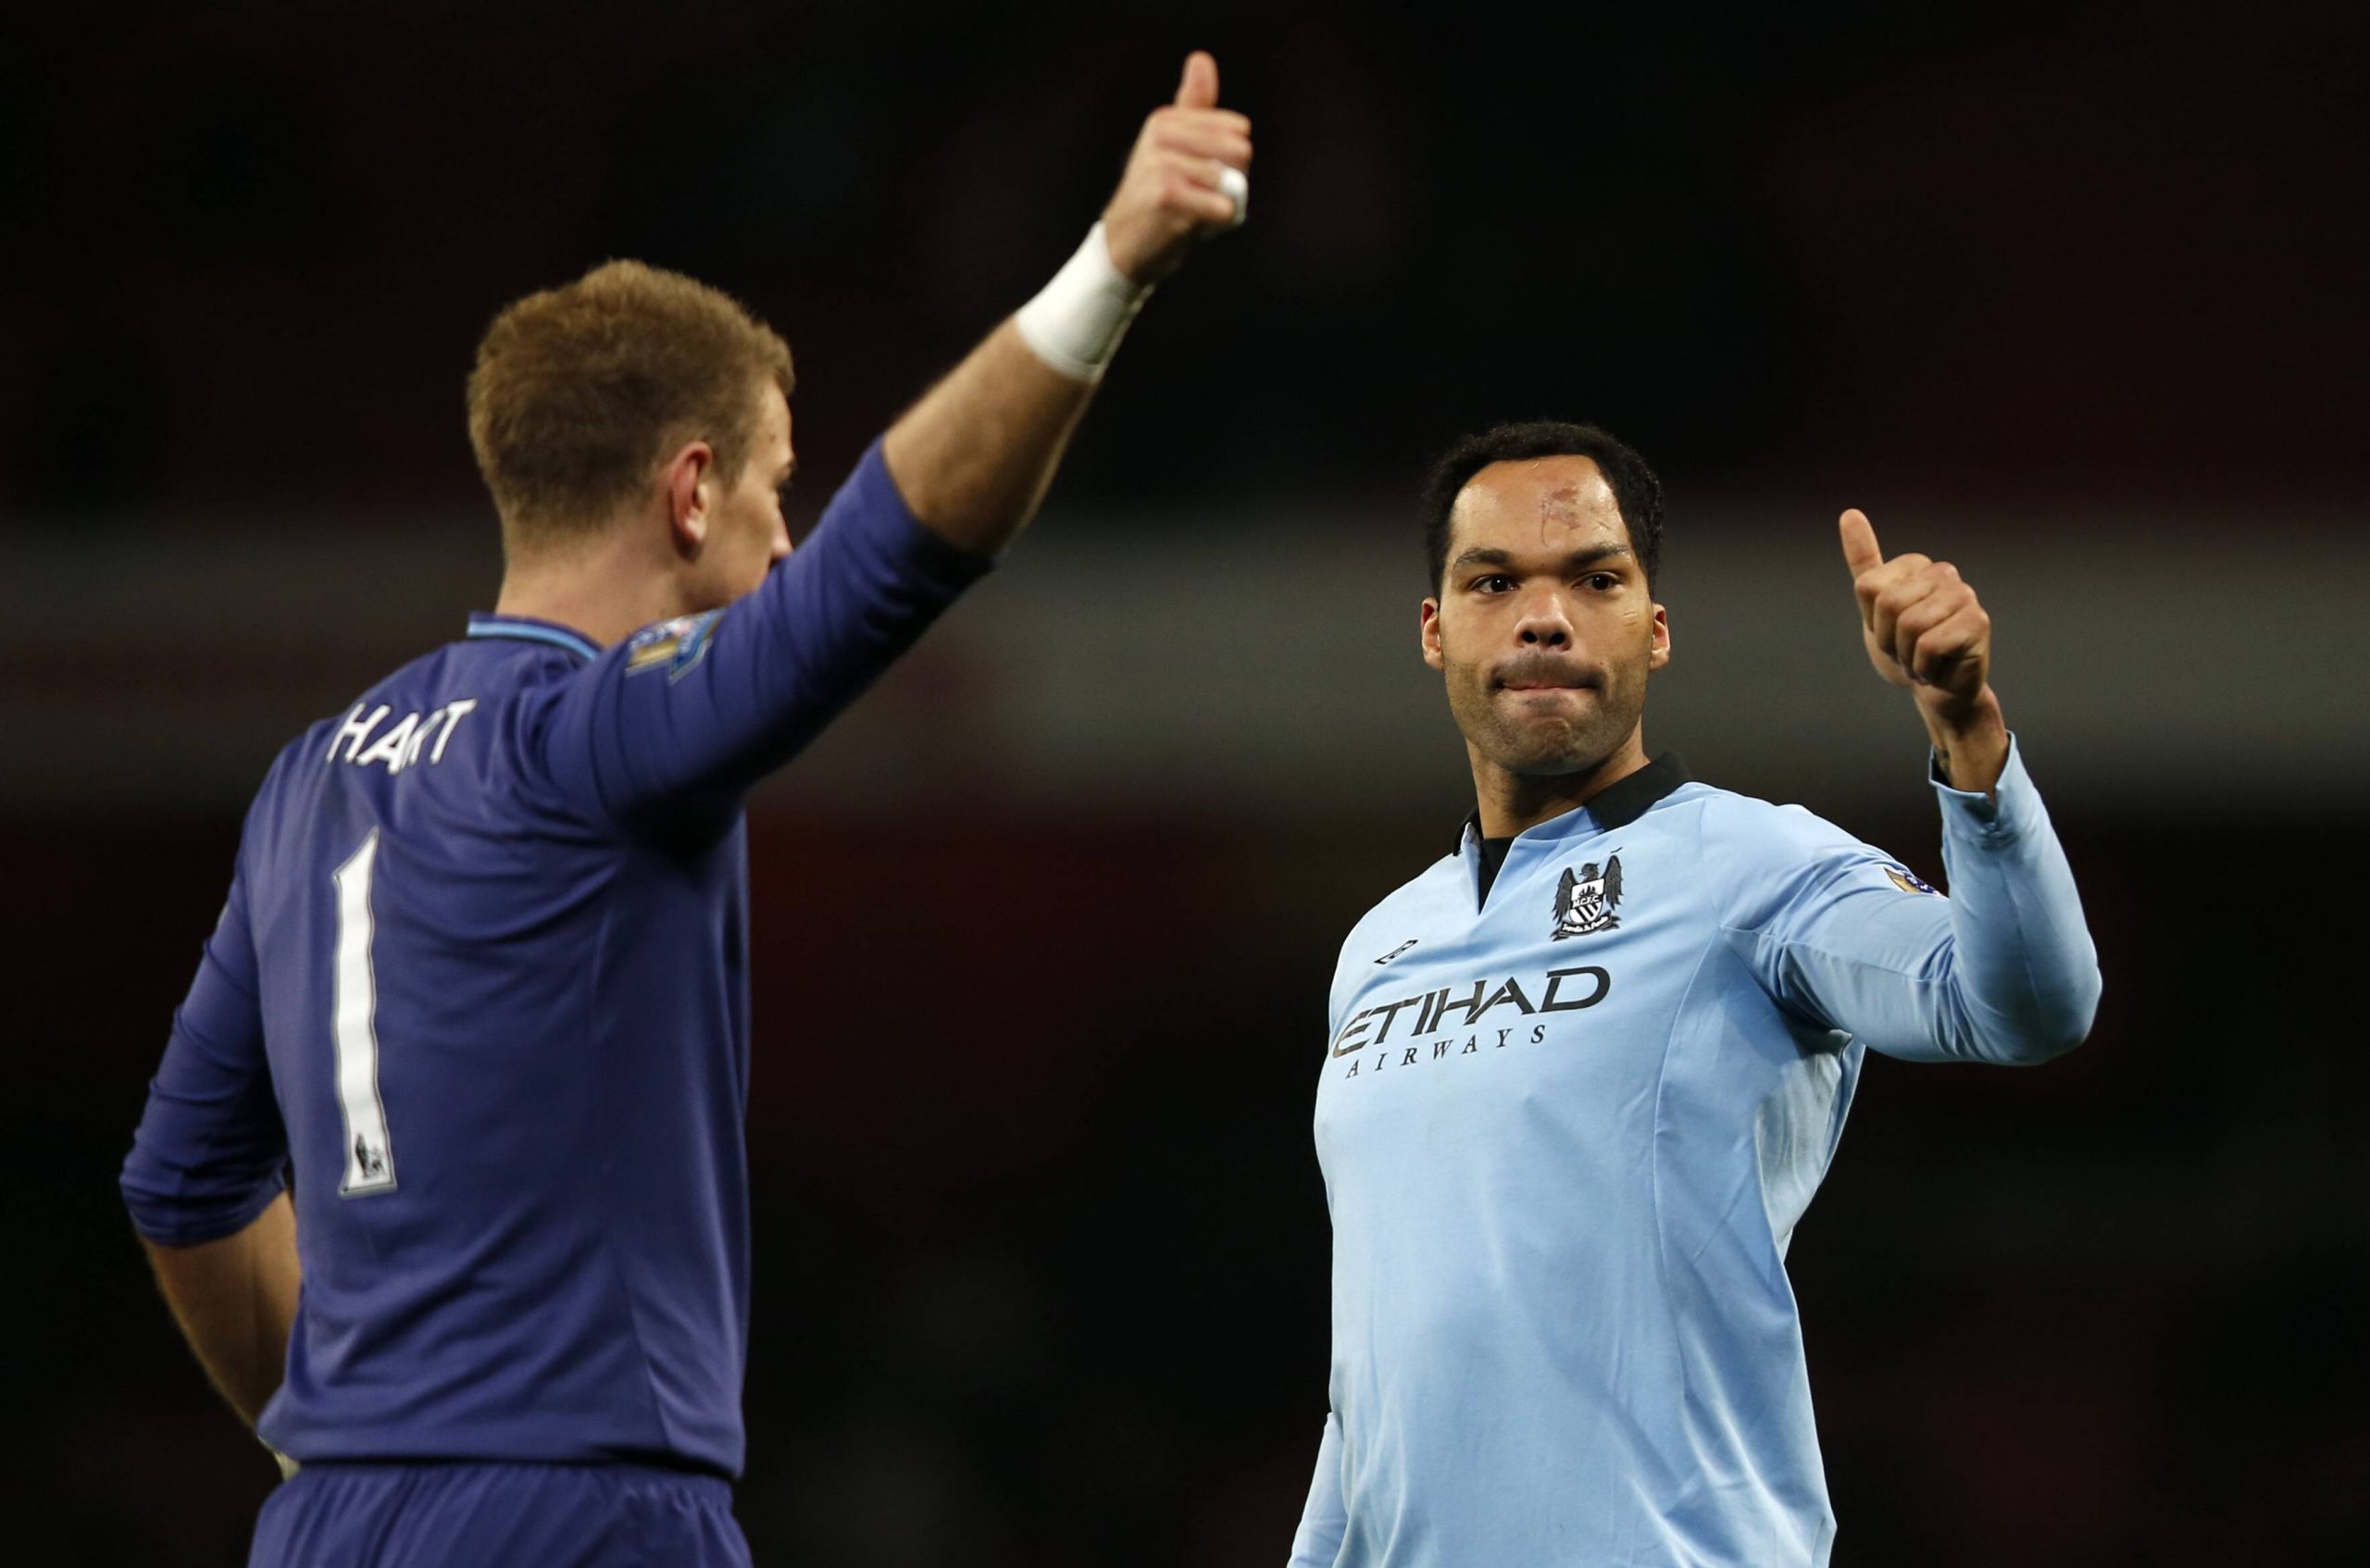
(2070, 291)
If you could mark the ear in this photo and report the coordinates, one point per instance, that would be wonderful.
(1660, 656)
(1428, 629)
(688, 483)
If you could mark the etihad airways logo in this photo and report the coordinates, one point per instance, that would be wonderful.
(1561, 990)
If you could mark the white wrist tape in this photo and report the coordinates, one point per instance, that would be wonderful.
(1076, 321)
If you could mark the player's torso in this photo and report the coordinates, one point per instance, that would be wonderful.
(509, 1047)
(1513, 1047)
(1541, 1122)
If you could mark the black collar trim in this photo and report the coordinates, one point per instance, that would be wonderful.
(1620, 802)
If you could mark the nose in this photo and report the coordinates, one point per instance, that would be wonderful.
(1543, 623)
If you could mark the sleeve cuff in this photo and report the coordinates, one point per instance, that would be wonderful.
(185, 1222)
(1995, 816)
(933, 558)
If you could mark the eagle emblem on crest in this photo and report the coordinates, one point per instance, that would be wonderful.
(1585, 899)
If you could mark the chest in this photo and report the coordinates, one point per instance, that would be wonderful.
(1554, 997)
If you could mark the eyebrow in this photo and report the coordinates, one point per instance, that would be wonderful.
(1595, 555)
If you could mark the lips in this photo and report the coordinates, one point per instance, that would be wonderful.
(1534, 678)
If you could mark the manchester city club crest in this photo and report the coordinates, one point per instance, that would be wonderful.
(1585, 899)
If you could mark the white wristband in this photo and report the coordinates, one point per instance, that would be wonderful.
(1076, 321)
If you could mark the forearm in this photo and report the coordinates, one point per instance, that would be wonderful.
(235, 1300)
(974, 457)
(2025, 970)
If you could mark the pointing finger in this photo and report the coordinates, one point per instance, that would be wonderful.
(1198, 89)
(1860, 551)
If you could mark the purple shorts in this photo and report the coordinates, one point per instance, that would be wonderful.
(479, 1515)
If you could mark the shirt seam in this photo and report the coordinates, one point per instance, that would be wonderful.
(619, 1284)
(1655, 1170)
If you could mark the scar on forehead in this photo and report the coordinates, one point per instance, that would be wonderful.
(1559, 508)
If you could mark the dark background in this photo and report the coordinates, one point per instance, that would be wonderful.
(1041, 1268)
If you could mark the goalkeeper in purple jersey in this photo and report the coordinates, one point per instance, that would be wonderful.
(443, 1171)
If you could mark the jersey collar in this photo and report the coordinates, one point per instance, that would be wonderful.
(528, 630)
(1618, 804)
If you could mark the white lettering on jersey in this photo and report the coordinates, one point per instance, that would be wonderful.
(354, 731)
(389, 747)
(403, 744)
(454, 712)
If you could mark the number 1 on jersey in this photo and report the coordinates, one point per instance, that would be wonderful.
(354, 1026)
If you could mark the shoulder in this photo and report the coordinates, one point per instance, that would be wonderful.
(1765, 858)
(1755, 828)
(1757, 849)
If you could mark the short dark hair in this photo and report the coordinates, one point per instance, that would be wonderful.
(1635, 489)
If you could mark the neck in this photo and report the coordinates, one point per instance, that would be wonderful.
(1513, 802)
(604, 589)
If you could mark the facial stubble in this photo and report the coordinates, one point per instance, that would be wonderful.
(1542, 746)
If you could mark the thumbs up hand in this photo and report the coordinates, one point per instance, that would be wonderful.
(1184, 180)
(1925, 630)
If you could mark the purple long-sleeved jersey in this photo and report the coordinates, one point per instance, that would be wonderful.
(480, 996)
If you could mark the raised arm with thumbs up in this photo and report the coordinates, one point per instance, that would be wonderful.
(1925, 630)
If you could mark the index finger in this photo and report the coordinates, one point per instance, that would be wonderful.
(1860, 551)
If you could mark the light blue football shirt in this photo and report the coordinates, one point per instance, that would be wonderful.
(1567, 1127)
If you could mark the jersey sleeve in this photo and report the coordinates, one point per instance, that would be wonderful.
(696, 710)
(1345, 984)
(211, 1153)
(1325, 1518)
(2002, 970)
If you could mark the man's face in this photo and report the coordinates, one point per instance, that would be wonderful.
(1543, 626)
(746, 534)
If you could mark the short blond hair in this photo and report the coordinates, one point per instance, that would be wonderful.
(580, 391)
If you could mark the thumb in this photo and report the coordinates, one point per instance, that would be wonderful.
(1860, 551)
(1198, 89)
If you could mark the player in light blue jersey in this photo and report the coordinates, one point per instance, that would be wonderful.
(1586, 1073)
(443, 1171)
